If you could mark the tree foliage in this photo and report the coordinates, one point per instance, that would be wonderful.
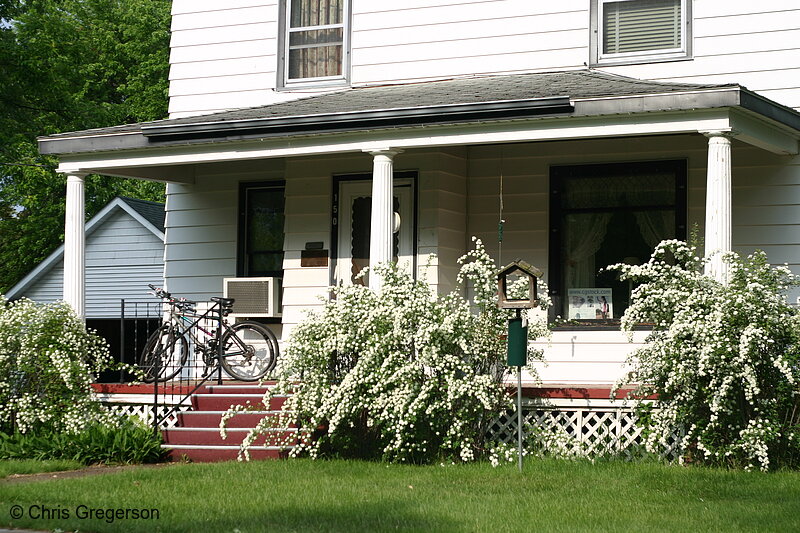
(68, 65)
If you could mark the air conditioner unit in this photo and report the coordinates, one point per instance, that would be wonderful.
(254, 297)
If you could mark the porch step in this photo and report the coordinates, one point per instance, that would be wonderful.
(217, 401)
(196, 435)
(211, 419)
(212, 454)
(211, 436)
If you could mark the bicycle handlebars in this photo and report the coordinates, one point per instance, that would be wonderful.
(181, 303)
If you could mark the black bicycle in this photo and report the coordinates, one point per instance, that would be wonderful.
(249, 350)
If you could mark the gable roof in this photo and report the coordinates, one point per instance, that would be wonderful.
(152, 212)
(144, 212)
(451, 101)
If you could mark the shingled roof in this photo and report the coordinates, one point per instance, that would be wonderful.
(450, 101)
(153, 212)
(472, 90)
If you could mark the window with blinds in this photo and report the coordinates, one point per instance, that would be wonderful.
(315, 41)
(641, 30)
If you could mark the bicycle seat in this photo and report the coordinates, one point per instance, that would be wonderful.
(224, 302)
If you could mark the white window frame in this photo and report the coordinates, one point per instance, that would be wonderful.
(682, 52)
(284, 33)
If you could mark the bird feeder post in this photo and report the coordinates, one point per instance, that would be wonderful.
(509, 296)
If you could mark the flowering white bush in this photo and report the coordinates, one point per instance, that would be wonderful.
(723, 358)
(47, 363)
(402, 374)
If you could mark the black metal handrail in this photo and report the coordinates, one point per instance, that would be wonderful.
(187, 382)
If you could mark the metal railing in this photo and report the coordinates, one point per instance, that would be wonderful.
(199, 352)
(138, 319)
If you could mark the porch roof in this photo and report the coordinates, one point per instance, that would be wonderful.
(579, 93)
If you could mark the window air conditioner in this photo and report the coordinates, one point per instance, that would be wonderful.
(254, 297)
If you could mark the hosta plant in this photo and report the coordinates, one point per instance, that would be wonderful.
(723, 358)
(402, 374)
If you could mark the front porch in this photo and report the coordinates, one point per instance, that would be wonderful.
(457, 170)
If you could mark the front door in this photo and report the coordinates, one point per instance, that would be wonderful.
(353, 219)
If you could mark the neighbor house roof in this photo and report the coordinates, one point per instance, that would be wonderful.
(148, 214)
(151, 212)
(468, 99)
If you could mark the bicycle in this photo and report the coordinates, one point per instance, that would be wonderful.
(249, 349)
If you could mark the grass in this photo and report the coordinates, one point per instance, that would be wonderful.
(29, 466)
(339, 496)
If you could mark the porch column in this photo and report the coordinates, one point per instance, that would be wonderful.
(74, 245)
(718, 203)
(382, 217)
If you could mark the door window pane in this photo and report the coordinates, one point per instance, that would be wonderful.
(263, 231)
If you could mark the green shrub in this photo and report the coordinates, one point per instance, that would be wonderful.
(402, 374)
(47, 364)
(723, 358)
(126, 442)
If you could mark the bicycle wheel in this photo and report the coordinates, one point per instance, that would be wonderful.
(250, 350)
(164, 355)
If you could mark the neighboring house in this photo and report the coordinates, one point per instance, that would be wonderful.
(600, 127)
(124, 252)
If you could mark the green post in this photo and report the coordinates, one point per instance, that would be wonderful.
(517, 356)
(517, 342)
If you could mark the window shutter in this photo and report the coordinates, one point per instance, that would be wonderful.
(642, 25)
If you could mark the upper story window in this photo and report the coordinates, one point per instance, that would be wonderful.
(640, 31)
(315, 42)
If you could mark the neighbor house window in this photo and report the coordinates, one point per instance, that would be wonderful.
(606, 214)
(261, 220)
(315, 42)
(630, 31)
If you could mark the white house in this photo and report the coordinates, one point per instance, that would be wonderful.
(309, 138)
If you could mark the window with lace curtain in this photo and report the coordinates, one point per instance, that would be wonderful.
(605, 214)
(634, 31)
(315, 42)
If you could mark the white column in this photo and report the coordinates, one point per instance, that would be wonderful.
(718, 203)
(75, 245)
(382, 218)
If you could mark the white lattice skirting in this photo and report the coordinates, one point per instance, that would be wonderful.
(141, 408)
(574, 431)
(580, 431)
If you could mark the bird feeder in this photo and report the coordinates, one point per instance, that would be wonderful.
(516, 289)
(509, 276)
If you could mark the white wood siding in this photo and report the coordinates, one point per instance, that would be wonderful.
(122, 257)
(223, 55)
(226, 57)
(201, 222)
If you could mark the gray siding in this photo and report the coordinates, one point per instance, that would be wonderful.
(122, 257)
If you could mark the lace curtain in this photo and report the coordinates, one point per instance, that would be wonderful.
(585, 233)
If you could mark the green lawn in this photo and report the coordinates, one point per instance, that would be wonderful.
(30, 466)
(302, 495)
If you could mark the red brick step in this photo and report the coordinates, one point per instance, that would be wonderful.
(196, 434)
(211, 454)
(211, 419)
